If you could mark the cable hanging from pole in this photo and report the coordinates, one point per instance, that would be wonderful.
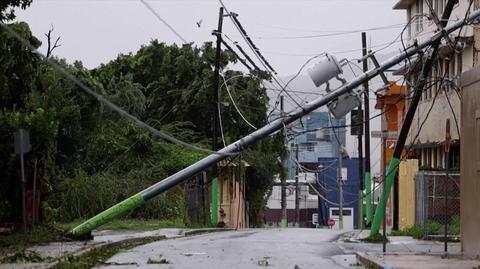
(249, 40)
(236, 55)
(257, 53)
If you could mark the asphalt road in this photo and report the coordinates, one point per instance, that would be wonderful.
(252, 248)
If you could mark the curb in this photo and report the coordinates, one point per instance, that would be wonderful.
(369, 262)
(105, 245)
(205, 231)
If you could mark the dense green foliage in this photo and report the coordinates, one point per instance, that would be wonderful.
(7, 7)
(87, 158)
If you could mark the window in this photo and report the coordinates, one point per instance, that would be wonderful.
(409, 26)
(429, 158)
(438, 6)
(346, 212)
(419, 12)
(311, 191)
(459, 64)
(307, 146)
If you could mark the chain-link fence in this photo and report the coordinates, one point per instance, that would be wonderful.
(432, 210)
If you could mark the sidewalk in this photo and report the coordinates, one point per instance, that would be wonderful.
(405, 252)
(50, 254)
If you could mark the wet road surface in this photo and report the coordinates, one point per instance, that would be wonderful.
(252, 248)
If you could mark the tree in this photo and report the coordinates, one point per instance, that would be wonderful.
(7, 8)
(85, 152)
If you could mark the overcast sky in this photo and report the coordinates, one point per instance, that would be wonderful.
(96, 32)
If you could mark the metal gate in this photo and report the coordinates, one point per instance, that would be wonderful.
(431, 213)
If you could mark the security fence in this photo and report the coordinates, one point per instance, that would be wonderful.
(432, 211)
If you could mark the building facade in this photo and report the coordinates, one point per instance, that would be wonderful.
(441, 99)
(327, 185)
(314, 138)
(447, 98)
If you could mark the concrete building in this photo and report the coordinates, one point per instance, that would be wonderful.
(327, 185)
(442, 98)
(308, 203)
(314, 139)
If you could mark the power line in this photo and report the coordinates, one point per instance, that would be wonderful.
(250, 42)
(236, 55)
(234, 104)
(342, 51)
(221, 124)
(162, 20)
(255, 50)
(242, 51)
(329, 31)
(329, 34)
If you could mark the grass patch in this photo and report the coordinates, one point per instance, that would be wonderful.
(17, 242)
(98, 256)
(131, 224)
(414, 231)
(22, 257)
(376, 238)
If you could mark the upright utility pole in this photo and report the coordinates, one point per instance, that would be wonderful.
(214, 193)
(395, 162)
(216, 79)
(448, 138)
(284, 220)
(361, 186)
(340, 187)
(297, 196)
(366, 119)
(384, 191)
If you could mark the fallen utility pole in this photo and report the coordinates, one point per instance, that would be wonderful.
(394, 163)
(241, 144)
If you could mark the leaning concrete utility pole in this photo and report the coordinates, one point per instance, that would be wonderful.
(241, 144)
(393, 167)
